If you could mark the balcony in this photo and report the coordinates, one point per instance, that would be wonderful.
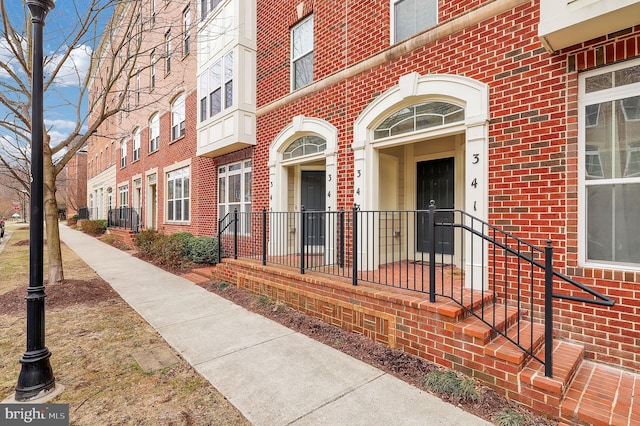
(229, 132)
(564, 23)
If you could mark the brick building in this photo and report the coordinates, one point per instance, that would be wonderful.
(523, 114)
(143, 164)
(520, 117)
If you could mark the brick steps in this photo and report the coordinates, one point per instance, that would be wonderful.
(567, 358)
(500, 316)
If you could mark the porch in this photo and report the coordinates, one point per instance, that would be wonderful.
(439, 284)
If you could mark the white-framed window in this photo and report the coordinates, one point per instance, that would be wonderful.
(136, 145)
(154, 133)
(216, 87)
(153, 11)
(178, 194)
(609, 138)
(410, 17)
(234, 192)
(202, 95)
(138, 91)
(186, 31)
(302, 53)
(177, 118)
(167, 52)
(123, 196)
(207, 6)
(152, 78)
(123, 153)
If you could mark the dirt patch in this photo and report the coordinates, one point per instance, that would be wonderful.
(406, 367)
(61, 296)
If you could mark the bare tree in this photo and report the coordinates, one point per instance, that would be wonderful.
(114, 33)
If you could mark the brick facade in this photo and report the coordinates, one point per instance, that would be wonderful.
(532, 131)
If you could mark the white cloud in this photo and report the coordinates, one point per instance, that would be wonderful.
(60, 124)
(74, 69)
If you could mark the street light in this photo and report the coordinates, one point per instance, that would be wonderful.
(36, 375)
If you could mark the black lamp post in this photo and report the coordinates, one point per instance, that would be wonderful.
(36, 376)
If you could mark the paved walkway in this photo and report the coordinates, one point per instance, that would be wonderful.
(272, 374)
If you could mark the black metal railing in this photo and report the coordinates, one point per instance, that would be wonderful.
(124, 218)
(500, 279)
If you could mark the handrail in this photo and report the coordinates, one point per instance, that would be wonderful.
(600, 299)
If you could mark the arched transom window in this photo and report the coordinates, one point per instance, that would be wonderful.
(305, 145)
(418, 117)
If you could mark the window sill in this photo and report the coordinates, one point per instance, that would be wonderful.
(178, 139)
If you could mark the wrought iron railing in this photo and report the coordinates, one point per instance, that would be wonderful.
(500, 279)
(124, 218)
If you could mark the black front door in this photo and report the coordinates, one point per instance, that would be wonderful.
(313, 187)
(435, 181)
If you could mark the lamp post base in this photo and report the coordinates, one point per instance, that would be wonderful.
(36, 376)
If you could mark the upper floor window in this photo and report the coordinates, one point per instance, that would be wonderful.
(154, 133)
(152, 78)
(216, 84)
(186, 31)
(177, 118)
(302, 53)
(411, 17)
(123, 153)
(167, 52)
(153, 11)
(418, 117)
(609, 118)
(207, 6)
(136, 145)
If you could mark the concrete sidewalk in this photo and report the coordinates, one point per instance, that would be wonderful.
(273, 375)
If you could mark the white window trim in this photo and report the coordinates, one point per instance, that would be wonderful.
(293, 60)
(177, 166)
(154, 123)
(136, 145)
(392, 24)
(242, 171)
(181, 126)
(583, 100)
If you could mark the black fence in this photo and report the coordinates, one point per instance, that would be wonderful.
(124, 218)
(440, 252)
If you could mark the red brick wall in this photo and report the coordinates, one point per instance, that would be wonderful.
(533, 173)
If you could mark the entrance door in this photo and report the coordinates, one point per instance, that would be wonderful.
(435, 181)
(313, 188)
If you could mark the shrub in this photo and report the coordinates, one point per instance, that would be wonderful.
(169, 251)
(462, 389)
(183, 238)
(510, 417)
(93, 227)
(203, 249)
(144, 241)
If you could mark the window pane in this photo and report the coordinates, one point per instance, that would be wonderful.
(186, 184)
(303, 38)
(170, 210)
(613, 228)
(228, 94)
(234, 188)
(215, 101)
(228, 66)
(170, 185)
(185, 205)
(221, 190)
(303, 71)
(413, 16)
(598, 82)
(247, 187)
(627, 76)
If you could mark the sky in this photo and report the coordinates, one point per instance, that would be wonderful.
(60, 118)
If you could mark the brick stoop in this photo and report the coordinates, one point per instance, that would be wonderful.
(123, 235)
(580, 392)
